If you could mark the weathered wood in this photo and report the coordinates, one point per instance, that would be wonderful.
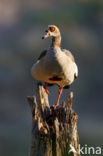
(54, 132)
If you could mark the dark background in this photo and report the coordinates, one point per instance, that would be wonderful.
(22, 24)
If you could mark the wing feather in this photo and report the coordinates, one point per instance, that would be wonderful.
(42, 55)
(69, 54)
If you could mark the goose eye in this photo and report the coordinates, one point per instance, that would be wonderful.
(52, 29)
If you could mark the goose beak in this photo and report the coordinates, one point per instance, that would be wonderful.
(46, 35)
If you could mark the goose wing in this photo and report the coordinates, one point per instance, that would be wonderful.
(42, 55)
(69, 54)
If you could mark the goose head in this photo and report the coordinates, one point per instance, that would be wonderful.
(51, 31)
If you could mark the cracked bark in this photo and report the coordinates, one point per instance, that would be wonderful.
(53, 131)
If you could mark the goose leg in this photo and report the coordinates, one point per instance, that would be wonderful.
(59, 94)
(46, 90)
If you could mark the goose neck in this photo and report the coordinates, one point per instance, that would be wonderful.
(56, 41)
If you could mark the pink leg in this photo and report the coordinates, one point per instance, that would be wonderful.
(59, 94)
(46, 90)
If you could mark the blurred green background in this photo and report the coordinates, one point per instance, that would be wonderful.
(22, 24)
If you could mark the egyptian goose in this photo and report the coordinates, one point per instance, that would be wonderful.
(55, 65)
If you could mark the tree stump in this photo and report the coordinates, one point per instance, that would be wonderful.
(54, 132)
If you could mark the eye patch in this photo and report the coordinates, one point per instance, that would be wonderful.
(52, 29)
